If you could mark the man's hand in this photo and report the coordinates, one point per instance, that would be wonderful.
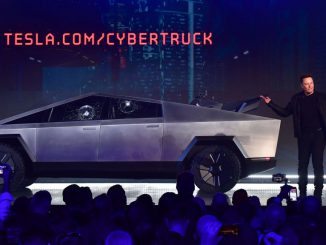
(266, 99)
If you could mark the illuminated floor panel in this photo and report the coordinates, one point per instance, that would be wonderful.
(133, 190)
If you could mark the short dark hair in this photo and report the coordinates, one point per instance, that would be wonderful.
(304, 76)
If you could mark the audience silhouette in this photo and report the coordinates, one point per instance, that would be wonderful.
(178, 218)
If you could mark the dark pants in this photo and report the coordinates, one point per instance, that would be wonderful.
(311, 144)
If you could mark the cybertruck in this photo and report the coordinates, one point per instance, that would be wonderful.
(98, 135)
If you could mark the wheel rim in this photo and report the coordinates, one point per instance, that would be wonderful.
(213, 168)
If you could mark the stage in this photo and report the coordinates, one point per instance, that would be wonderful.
(256, 185)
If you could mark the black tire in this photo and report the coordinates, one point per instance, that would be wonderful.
(216, 169)
(16, 162)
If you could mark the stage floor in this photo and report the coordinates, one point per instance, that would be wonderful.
(260, 186)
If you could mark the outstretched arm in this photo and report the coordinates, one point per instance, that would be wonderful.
(283, 112)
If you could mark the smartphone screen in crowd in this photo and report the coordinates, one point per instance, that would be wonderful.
(293, 194)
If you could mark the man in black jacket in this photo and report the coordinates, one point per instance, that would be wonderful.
(308, 109)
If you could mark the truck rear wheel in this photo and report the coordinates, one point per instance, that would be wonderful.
(216, 169)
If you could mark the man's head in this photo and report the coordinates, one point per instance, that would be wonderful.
(307, 84)
(185, 184)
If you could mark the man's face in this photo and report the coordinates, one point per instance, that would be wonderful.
(307, 85)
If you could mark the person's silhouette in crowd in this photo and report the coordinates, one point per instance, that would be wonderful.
(190, 208)
(146, 201)
(274, 200)
(118, 200)
(239, 197)
(185, 186)
(254, 201)
(119, 237)
(21, 206)
(40, 203)
(178, 219)
(241, 201)
(70, 195)
(76, 215)
(274, 220)
(100, 223)
(102, 205)
(166, 203)
(141, 220)
(38, 216)
(200, 203)
(117, 196)
(220, 203)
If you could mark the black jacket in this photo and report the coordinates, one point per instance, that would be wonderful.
(293, 108)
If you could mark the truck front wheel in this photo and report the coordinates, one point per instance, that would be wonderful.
(14, 159)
